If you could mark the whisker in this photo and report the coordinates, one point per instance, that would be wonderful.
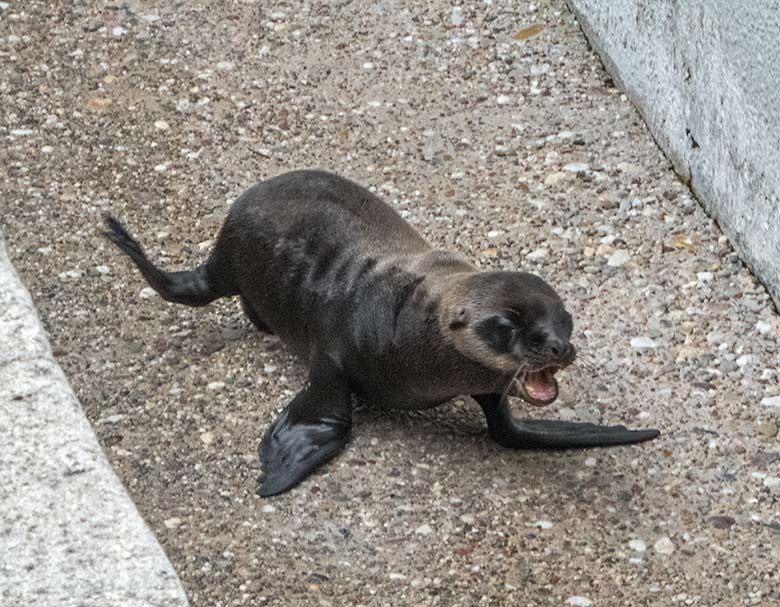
(521, 368)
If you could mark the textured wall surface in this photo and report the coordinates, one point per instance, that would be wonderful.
(706, 76)
(69, 534)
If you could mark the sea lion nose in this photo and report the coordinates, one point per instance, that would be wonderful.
(556, 346)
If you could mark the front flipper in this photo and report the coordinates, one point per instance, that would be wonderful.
(550, 434)
(313, 428)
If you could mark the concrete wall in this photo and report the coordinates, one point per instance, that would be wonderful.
(69, 534)
(706, 76)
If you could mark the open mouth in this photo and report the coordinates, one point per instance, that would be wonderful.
(539, 387)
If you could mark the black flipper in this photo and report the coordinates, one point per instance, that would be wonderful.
(551, 434)
(313, 428)
(192, 288)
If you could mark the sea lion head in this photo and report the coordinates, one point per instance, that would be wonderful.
(515, 324)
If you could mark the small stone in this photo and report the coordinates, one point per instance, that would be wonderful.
(162, 125)
(503, 100)
(579, 601)
(722, 522)
(771, 401)
(768, 428)
(269, 369)
(704, 276)
(397, 577)
(183, 105)
(763, 327)
(542, 524)
(225, 66)
(111, 419)
(268, 509)
(664, 546)
(98, 104)
(642, 343)
(161, 168)
(423, 530)
(772, 482)
(207, 438)
(4, 6)
(216, 386)
(102, 269)
(554, 178)
(172, 523)
(368, 65)
(147, 293)
(637, 546)
(456, 18)
(468, 519)
(21, 132)
(538, 254)
(118, 32)
(576, 167)
(591, 462)
(744, 360)
(494, 233)
(47, 149)
(618, 258)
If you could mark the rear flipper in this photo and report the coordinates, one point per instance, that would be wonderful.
(548, 434)
(313, 428)
(192, 288)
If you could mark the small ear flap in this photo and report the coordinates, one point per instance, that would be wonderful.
(459, 319)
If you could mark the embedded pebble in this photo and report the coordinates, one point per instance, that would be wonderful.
(576, 167)
(642, 343)
(664, 546)
(456, 17)
(147, 293)
(118, 31)
(162, 125)
(503, 99)
(102, 269)
(207, 438)
(771, 401)
(215, 386)
(542, 524)
(579, 601)
(768, 428)
(618, 258)
(637, 545)
(423, 530)
(772, 482)
(538, 254)
(225, 66)
(268, 509)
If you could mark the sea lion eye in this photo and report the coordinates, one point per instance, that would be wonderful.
(498, 332)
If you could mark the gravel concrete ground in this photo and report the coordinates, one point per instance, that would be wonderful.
(492, 128)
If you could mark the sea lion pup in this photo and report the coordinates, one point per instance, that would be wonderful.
(376, 312)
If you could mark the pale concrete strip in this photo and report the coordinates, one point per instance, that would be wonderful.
(69, 533)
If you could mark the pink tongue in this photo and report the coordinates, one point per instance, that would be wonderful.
(541, 385)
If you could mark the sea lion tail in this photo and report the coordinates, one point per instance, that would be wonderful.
(191, 288)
